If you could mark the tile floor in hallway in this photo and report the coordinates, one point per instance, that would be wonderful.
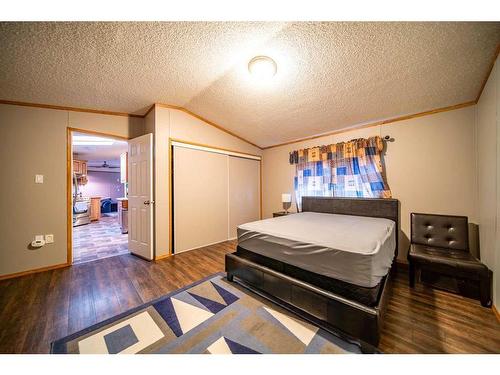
(99, 239)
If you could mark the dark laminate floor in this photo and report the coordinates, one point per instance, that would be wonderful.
(37, 309)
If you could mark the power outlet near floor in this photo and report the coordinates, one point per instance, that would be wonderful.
(49, 238)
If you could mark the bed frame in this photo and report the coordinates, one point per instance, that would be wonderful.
(346, 317)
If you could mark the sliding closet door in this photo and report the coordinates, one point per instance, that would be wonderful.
(200, 187)
(244, 192)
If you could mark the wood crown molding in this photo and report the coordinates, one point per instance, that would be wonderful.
(64, 108)
(490, 69)
(377, 123)
(401, 118)
(36, 270)
(211, 123)
(149, 110)
(182, 109)
(345, 130)
(111, 113)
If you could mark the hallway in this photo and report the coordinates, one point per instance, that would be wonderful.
(99, 239)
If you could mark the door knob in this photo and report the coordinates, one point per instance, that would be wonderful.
(147, 203)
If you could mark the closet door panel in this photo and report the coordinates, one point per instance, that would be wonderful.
(244, 192)
(200, 183)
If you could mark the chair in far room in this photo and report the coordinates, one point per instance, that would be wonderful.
(439, 249)
(106, 205)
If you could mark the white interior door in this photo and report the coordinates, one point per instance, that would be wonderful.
(140, 196)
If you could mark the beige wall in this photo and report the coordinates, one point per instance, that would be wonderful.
(36, 139)
(176, 124)
(430, 166)
(34, 142)
(488, 176)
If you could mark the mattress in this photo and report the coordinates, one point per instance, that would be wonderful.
(354, 249)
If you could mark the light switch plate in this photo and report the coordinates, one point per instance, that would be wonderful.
(39, 179)
(49, 238)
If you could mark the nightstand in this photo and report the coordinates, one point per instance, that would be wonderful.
(281, 213)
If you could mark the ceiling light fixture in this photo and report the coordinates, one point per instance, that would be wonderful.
(92, 143)
(262, 67)
(86, 140)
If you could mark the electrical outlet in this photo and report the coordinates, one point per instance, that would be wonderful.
(39, 179)
(49, 238)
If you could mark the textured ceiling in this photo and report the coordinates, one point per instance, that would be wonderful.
(330, 75)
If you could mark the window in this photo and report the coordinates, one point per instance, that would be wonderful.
(347, 169)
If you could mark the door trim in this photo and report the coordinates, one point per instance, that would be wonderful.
(69, 183)
(202, 147)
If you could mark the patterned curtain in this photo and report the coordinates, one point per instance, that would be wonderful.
(347, 169)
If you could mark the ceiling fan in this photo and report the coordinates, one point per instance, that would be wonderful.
(104, 165)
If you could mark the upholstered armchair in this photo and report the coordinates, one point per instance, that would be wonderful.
(440, 244)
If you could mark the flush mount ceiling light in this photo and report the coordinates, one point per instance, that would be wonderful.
(83, 140)
(262, 67)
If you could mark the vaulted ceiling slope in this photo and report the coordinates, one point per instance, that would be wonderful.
(331, 75)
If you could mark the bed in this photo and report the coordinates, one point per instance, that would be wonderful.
(330, 263)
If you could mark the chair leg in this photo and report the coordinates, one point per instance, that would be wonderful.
(411, 274)
(485, 290)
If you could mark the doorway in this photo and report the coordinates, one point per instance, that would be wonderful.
(99, 196)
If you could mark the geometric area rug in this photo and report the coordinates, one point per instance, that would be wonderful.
(211, 316)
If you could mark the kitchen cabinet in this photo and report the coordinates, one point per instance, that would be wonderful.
(80, 167)
(123, 214)
(95, 208)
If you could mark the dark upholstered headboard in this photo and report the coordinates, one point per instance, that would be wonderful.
(385, 208)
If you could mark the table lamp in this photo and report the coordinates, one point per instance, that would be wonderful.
(286, 199)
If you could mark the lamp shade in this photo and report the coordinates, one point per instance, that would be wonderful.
(286, 198)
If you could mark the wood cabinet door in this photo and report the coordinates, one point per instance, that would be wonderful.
(80, 167)
(76, 166)
(95, 208)
(83, 167)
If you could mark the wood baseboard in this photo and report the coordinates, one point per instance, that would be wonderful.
(497, 314)
(36, 270)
